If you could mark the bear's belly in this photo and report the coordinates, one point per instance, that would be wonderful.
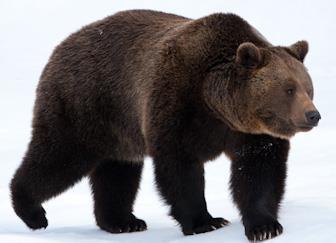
(127, 143)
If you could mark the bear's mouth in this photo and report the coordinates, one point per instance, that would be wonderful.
(304, 127)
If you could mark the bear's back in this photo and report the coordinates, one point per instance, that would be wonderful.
(106, 56)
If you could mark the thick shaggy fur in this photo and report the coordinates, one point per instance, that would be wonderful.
(132, 85)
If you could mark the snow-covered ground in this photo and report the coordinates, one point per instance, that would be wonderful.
(30, 29)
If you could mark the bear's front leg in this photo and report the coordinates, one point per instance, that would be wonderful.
(257, 183)
(181, 183)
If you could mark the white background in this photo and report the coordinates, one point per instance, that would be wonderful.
(29, 30)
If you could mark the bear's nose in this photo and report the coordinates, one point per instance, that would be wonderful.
(313, 117)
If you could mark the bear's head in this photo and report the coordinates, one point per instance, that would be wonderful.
(263, 91)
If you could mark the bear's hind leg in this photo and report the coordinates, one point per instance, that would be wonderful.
(48, 168)
(114, 186)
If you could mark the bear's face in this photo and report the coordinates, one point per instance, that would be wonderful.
(270, 91)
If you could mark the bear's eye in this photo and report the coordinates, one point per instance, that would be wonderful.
(290, 91)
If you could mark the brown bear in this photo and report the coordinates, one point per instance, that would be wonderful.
(144, 83)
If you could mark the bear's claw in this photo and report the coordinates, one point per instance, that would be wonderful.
(132, 225)
(212, 224)
(264, 232)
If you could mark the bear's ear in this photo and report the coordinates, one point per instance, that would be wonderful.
(300, 49)
(248, 55)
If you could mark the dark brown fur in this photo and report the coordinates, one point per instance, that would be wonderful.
(179, 90)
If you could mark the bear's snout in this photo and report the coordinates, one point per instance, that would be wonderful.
(313, 117)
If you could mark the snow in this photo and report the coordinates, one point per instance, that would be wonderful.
(30, 30)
